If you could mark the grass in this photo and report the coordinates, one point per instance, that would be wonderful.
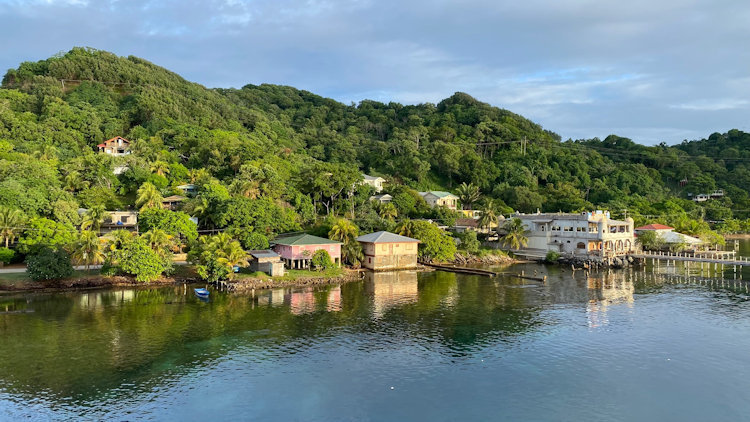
(15, 279)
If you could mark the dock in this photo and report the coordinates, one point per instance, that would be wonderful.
(486, 273)
(703, 257)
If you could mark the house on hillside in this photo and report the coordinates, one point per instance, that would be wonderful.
(436, 198)
(266, 261)
(590, 235)
(670, 237)
(173, 202)
(375, 181)
(117, 146)
(388, 251)
(117, 220)
(188, 189)
(383, 199)
(297, 250)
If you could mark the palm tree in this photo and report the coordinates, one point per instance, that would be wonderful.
(117, 239)
(74, 182)
(515, 234)
(88, 249)
(468, 195)
(11, 220)
(232, 255)
(148, 196)
(346, 232)
(95, 217)
(388, 211)
(158, 240)
(246, 188)
(201, 209)
(160, 167)
(489, 216)
(406, 228)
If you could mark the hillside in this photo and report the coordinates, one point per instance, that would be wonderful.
(299, 151)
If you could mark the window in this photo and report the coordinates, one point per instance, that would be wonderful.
(568, 229)
(124, 219)
(581, 245)
(579, 229)
(409, 247)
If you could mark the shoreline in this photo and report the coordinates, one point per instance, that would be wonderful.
(737, 236)
(236, 286)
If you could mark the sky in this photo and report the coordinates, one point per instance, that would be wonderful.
(651, 70)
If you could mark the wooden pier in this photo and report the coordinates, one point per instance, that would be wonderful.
(706, 257)
(486, 273)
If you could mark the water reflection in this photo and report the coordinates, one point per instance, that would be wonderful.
(391, 289)
(84, 348)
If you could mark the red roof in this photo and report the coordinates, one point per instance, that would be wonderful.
(101, 145)
(655, 227)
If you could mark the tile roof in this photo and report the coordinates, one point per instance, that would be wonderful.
(655, 227)
(304, 239)
(385, 237)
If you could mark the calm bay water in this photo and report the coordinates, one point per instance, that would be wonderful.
(657, 344)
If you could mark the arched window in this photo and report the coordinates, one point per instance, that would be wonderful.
(581, 245)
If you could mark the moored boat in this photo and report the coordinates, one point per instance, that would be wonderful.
(202, 292)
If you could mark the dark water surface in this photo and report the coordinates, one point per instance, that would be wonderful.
(657, 344)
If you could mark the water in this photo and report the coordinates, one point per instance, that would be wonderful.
(658, 344)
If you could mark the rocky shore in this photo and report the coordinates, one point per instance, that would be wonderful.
(89, 282)
(489, 259)
(583, 263)
(250, 284)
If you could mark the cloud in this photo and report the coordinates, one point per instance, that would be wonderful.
(658, 71)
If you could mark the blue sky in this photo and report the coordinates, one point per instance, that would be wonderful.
(653, 71)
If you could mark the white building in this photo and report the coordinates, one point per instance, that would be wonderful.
(669, 236)
(375, 181)
(591, 235)
(383, 199)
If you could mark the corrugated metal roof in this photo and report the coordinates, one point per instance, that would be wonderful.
(304, 239)
(265, 253)
(385, 237)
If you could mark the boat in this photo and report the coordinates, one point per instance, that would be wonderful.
(202, 293)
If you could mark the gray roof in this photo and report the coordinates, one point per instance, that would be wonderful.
(367, 177)
(385, 237)
(265, 253)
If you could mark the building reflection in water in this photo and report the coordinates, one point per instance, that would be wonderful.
(333, 303)
(301, 301)
(390, 289)
(604, 289)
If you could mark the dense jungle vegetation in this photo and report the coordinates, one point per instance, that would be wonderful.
(269, 159)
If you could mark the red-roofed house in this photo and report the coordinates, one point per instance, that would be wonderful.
(117, 146)
(659, 228)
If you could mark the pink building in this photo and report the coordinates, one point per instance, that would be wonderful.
(296, 251)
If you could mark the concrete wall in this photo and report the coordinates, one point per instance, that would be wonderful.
(388, 256)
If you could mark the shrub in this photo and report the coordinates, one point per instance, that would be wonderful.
(49, 264)
(469, 242)
(552, 257)
(6, 255)
(321, 260)
(139, 260)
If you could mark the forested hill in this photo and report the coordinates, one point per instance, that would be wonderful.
(300, 151)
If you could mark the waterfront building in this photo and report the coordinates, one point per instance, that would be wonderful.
(388, 251)
(297, 250)
(117, 146)
(436, 198)
(266, 261)
(590, 235)
(375, 181)
(669, 236)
